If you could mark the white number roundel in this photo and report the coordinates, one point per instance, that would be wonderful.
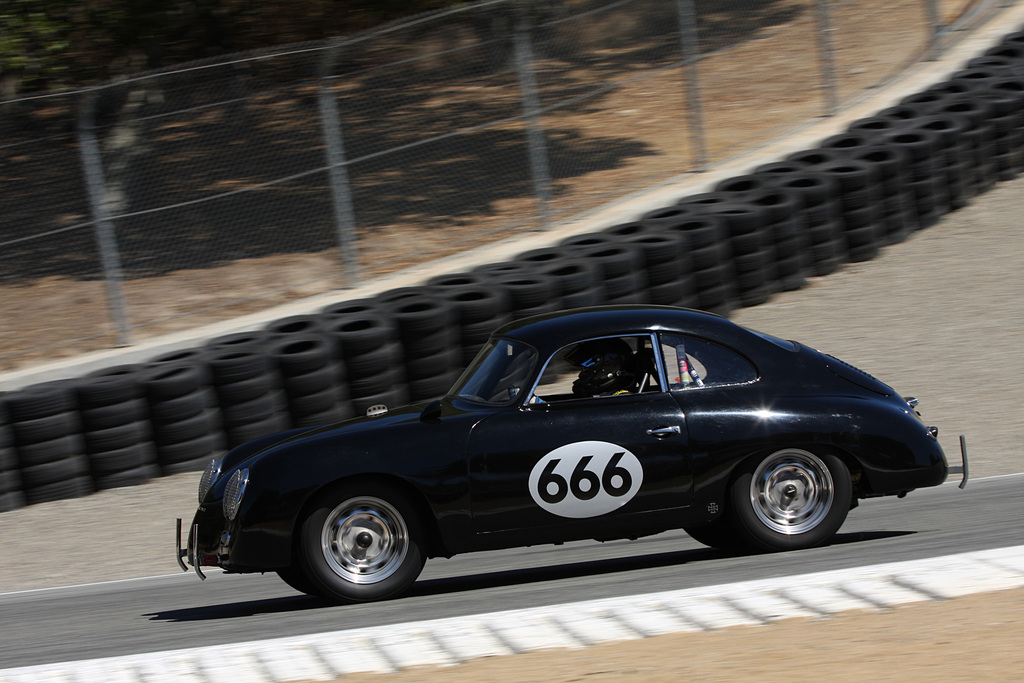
(585, 479)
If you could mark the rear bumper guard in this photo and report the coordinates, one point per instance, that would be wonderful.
(191, 553)
(962, 469)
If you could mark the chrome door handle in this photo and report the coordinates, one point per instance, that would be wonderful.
(662, 432)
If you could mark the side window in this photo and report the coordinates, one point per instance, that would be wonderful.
(693, 363)
(609, 366)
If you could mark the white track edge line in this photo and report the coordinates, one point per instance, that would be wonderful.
(379, 649)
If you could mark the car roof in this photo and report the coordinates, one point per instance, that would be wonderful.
(554, 330)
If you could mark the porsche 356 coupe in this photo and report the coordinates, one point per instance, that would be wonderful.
(600, 423)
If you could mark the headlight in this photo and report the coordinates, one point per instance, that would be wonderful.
(234, 491)
(210, 475)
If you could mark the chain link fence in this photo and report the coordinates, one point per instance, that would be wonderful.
(184, 197)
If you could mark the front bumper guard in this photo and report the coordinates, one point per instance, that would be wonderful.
(190, 553)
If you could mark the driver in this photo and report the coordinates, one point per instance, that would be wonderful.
(607, 367)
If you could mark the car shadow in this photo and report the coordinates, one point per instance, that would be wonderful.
(489, 580)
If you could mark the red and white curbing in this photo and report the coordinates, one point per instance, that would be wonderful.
(442, 642)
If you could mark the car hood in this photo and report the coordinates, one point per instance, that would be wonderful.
(376, 429)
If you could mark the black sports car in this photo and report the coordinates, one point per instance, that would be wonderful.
(603, 423)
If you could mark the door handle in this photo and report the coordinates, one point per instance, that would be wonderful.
(662, 432)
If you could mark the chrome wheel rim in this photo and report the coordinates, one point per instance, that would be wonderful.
(364, 540)
(791, 491)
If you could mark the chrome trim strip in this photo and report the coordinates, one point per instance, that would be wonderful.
(181, 552)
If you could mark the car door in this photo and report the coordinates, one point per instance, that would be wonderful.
(579, 461)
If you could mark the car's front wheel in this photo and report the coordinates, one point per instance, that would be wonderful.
(791, 499)
(362, 543)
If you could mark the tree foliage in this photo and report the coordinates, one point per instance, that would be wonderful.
(47, 44)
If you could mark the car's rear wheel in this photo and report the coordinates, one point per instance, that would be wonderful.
(362, 543)
(791, 499)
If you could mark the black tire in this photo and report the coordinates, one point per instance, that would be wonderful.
(122, 460)
(61, 490)
(43, 452)
(105, 417)
(183, 407)
(790, 500)
(132, 477)
(46, 428)
(115, 438)
(163, 382)
(362, 542)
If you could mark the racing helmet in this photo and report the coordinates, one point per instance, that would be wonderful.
(606, 367)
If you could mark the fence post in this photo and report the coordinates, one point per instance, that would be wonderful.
(534, 127)
(691, 60)
(932, 10)
(337, 171)
(92, 165)
(826, 50)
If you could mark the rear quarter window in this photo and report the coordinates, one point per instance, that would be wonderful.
(694, 363)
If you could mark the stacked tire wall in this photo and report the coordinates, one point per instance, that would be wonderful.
(751, 237)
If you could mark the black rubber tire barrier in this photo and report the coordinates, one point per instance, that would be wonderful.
(77, 487)
(505, 267)
(12, 500)
(238, 363)
(163, 381)
(114, 438)
(981, 135)
(741, 185)
(47, 428)
(572, 276)
(702, 203)
(628, 229)
(475, 303)
(589, 240)
(182, 407)
(931, 193)
(104, 417)
(545, 255)
(130, 477)
(302, 353)
(360, 333)
(815, 157)
(122, 459)
(894, 173)
(203, 423)
(394, 298)
(418, 316)
(41, 400)
(35, 476)
(296, 325)
(667, 218)
(375, 362)
(109, 386)
(186, 456)
(778, 168)
(227, 342)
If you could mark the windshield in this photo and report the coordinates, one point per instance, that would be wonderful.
(498, 373)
